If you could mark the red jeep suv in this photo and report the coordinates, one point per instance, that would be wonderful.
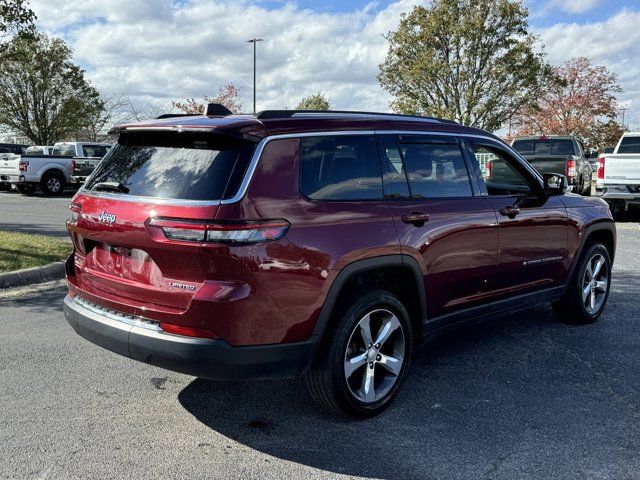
(322, 244)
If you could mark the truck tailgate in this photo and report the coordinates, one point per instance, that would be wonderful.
(548, 164)
(9, 165)
(621, 169)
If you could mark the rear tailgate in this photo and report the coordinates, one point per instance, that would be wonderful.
(84, 166)
(548, 164)
(621, 169)
(9, 165)
(118, 253)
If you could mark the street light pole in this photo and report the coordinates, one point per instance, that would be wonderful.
(254, 41)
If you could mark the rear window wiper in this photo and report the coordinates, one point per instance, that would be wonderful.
(110, 187)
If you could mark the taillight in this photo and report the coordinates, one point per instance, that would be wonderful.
(75, 208)
(73, 165)
(223, 232)
(488, 168)
(601, 168)
(187, 331)
(571, 169)
(22, 165)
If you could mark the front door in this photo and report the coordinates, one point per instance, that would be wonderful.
(532, 228)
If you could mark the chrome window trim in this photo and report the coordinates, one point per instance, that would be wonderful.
(253, 164)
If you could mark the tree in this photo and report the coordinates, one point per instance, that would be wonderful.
(582, 101)
(44, 96)
(228, 95)
(317, 101)
(15, 19)
(472, 61)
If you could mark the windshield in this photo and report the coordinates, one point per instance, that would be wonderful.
(186, 166)
(539, 146)
(629, 145)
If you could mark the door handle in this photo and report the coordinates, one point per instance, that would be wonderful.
(416, 218)
(509, 211)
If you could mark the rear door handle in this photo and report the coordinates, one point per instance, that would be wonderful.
(416, 218)
(509, 211)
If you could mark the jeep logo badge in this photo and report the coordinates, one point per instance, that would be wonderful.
(107, 218)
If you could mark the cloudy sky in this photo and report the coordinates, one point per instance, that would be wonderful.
(158, 50)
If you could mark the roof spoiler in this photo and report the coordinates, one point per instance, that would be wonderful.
(212, 110)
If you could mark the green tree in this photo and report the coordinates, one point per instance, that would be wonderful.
(15, 19)
(317, 101)
(473, 61)
(44, 95)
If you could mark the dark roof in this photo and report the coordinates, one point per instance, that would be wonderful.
(279, 122)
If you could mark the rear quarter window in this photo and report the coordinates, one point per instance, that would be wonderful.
(340, 167)
(168, 165)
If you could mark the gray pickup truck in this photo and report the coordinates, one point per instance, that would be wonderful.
(563, 154)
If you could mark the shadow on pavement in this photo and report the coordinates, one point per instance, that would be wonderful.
(520, 392)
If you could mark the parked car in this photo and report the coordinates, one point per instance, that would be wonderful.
(618, 178)
(50, 172)
(559, 154)
(323, 244)
(8, 153)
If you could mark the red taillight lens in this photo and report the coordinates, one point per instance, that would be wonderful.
(571, 168)
(601, 168)
(73, 164)
(227, 232)
(188, 331)
(489, 169)
(22, 165)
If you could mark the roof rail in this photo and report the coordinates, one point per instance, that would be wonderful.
(274, 114)
(212, 110)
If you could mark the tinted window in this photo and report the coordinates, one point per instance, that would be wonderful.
(394, 177)
(341, 167)
(499, 176)
(94, 150)
(15, 149)
(629, 145)
(540, 146)
(435, 170)
(64, 150)
(186, 166)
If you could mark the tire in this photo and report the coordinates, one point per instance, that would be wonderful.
(52, 184)
(579, 307)
(328, 381)
(26, 189)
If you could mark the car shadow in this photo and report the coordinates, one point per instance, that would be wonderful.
(473, 399)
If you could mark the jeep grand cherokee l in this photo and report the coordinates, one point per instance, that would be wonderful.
(320, 244)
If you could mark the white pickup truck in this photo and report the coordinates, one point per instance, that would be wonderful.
(50, 172)
(618, 179)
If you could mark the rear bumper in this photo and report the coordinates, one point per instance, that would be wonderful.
(629, 194)
(12, 178)
(199, 357)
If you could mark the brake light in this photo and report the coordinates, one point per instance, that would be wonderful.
(188, 331)
(488, 168)
(22, 165)
(601, 168)
(224, 232)
(571, 169)
(75, 208)
(73, 165)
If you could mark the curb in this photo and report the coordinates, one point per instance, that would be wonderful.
(29, 276)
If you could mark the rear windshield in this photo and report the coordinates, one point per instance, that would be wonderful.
(554, 146)
(64, 150)
(168, 165)
(94, 150)
(16, 149)
(629, 145)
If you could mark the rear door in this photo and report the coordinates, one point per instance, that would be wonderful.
(148, 179)
(533, 229)
(441, 220)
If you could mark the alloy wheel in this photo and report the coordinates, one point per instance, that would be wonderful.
(374, 356)
(595, 284)
(53, 184)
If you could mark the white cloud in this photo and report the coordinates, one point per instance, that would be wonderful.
(612, 42)
(164, 49)
(577, 6)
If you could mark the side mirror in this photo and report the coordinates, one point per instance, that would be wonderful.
(554, 184)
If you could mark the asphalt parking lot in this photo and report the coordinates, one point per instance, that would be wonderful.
(35, 214)
(524, 396)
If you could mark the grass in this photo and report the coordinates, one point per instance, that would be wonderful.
(23, 250)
